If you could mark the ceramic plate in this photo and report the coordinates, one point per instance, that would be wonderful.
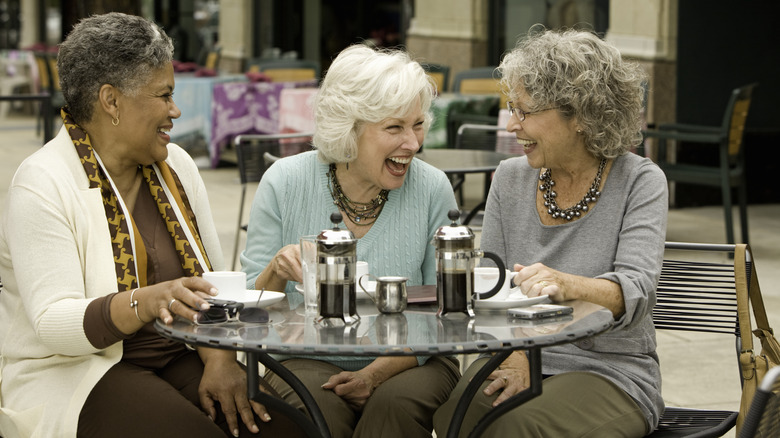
(250, 298)
(359, 294)
(515, 300)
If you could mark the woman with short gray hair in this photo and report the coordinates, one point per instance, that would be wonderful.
(578, 217)
(107, 229)
(372, 112)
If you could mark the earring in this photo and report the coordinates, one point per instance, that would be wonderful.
(115, 121)
(579, 131)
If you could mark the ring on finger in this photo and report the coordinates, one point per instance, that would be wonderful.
(543, 283)
(171, 304)
(505, 379)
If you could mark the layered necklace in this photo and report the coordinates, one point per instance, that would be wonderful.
(360, 213)
(576, 210)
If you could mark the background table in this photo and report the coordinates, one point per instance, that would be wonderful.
(246, 108)
(194, 96)
(415, 332)
(458, 162)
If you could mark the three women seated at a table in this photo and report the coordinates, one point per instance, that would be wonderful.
(108, 228)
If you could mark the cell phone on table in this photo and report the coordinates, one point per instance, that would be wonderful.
(540, 311)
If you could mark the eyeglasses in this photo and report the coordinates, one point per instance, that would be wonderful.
(231, 311)
(513, 110)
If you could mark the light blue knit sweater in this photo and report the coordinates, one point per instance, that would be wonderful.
(294, 200)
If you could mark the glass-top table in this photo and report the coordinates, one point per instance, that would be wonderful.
(415, 332)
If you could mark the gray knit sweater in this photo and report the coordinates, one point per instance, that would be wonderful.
(621, 239)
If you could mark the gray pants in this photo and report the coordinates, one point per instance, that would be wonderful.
(574, 404)
(402, 406)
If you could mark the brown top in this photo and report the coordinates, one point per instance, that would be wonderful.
(145, 348)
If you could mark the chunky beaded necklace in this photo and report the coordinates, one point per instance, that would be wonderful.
(360, 213)
(576, 210)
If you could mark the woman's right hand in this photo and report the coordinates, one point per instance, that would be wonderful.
(287, 263)
(183, 296)
(284, 267)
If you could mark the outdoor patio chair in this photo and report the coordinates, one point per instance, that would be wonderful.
(763, 418)
(439, 73)
(286, 70)
(49, 82)
(727, 140)
(251, 153)
(696, 295)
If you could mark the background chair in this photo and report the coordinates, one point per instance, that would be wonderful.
(727, 138)
(698, 296)
(763, 418)
(49, 82)
(286, 70)
(439, 73)
(479, 80)
(251, 151)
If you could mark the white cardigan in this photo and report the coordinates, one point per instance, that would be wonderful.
(56, 257)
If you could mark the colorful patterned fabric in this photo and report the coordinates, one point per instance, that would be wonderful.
(129, 251)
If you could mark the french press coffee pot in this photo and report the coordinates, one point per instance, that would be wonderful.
(455, 261)
(336, 263)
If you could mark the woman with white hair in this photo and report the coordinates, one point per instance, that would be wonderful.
(371, 113)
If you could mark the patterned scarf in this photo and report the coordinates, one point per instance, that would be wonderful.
(129, 251)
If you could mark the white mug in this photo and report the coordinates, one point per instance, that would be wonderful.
(230, 284)
(486, 277)
(361, 269)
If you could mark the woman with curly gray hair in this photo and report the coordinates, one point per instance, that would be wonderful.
(579, 218)
(107, 229)
(371, 116)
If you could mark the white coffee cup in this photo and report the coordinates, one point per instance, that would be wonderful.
(361, 269)
(485, 279)
(230, 284)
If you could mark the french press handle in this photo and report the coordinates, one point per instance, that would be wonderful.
(501, 277)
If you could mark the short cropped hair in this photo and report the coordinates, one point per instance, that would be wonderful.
(363, 86)
(584, 78)
(116, 49)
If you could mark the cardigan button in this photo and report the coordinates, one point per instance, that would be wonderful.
(585, 344)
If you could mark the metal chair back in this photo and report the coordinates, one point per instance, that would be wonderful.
(251, 151)
(763, 418)
(697, 294)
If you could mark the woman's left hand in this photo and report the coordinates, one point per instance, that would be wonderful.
(224, 381)
(355, 387)
(511, 377)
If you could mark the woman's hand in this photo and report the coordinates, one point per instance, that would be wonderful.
(224, 381)
(284, 267)
(183, 296)
(538, 279)
(511, 377)
(355, 387)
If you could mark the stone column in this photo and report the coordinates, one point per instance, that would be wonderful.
(235, 34)
(646, 30)
(449, 32)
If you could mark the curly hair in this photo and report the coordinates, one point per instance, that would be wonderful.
(586, 79)
(362, 86)
(117, 49)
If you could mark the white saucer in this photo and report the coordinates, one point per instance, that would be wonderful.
(359, 294)
(249, 299)
(509, 302)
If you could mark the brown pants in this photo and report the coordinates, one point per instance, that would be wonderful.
(131, 401)
(571, 405)
(401, 407)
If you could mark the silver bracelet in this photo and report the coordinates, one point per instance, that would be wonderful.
(134, 305)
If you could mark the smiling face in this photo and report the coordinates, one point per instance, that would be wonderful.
(386, 149)
(146, 118)
(548, 139)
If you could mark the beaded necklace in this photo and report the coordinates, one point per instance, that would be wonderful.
(576, 210)
(360, 213)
